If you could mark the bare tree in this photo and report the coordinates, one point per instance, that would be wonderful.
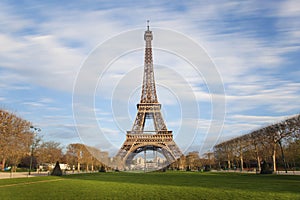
(263, 143)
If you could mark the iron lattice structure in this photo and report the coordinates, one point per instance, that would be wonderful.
(160, 139)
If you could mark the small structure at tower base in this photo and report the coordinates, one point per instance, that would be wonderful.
(56, 171)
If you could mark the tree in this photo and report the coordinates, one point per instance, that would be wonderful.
(293, 154)
(96, 158)
(75, 154)
(15, 138)
(49, 152)
(208, 160)
(82, 155)
(193, 161)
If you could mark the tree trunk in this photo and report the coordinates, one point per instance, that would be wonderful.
(257, 158)
(14, 168)
(274, 158)
(3, 163)
(258, 163)
(78, 166)
(228, 162)
(242, 162)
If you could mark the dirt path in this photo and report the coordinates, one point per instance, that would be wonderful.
(21, 174)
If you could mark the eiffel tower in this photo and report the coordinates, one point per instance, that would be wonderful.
(138, 140)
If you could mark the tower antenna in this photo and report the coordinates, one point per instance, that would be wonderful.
(148, 24)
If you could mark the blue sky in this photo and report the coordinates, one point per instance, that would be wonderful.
(254, 45)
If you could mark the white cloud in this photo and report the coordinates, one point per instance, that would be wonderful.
(10, 21)
(276, 97)
(289, 8)
(33, 104)
(252, 119)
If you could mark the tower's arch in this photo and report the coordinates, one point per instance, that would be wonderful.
(161, 148)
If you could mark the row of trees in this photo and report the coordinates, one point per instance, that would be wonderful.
(21, 145)
(193, 162)
(77, 156)
(82, 157)
(271, 145)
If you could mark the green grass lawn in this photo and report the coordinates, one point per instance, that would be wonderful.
(169, 185)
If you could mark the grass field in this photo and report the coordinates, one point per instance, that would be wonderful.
(169, 185)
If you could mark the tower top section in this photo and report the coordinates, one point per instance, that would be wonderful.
(148, 88)
(148, 35)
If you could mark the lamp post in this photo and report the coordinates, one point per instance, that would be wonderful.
(35, 130)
